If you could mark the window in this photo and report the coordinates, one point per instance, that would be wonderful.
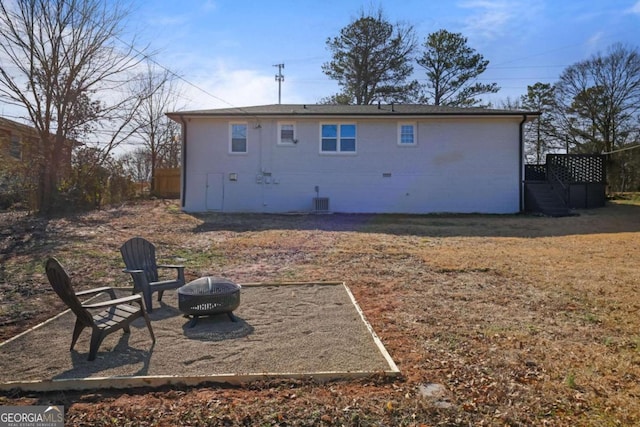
(406, 134)
(238, 143)
(287, 133)
(15, 149)
(338, 138)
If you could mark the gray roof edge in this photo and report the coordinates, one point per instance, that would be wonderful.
(324, 110)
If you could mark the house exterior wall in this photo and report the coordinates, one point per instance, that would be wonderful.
(16, 141)
(462, 165)
(20, 145)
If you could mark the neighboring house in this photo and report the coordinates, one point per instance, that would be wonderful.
(353, 159)
(20, 151)
(16, 142)
(20, 143)
(16, 139)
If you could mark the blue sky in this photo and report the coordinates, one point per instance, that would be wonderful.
(225, 49)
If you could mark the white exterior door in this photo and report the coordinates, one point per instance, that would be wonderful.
(215, 191)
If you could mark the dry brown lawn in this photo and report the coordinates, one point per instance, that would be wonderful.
(524, 320)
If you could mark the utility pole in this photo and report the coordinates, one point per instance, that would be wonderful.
(279, 79)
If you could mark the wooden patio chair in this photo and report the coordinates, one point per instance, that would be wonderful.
(116, 314)
(139, 256)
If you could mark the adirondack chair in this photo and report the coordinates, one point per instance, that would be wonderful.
(116, 314)
(139, 256)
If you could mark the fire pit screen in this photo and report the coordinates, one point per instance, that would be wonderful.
(208, 296)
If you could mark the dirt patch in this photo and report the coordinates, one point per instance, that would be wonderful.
(524, 320)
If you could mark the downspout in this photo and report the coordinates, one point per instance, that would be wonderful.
(183, 195)
(521, 152)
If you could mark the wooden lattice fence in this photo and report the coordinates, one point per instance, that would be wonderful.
(535, 172)
(577, 168)
(580, 179)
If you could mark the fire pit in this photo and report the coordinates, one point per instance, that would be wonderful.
(207, 296)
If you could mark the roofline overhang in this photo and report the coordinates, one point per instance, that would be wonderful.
(178, 116)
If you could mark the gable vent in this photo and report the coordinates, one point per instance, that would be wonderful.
(321, 204)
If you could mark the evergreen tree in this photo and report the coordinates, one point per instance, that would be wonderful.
(372, 61)
(452, 68)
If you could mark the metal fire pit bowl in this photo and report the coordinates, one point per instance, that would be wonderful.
(207, 296)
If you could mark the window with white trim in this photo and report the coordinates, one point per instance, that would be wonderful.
(287, 133)
(238, 138)
(15, 149)
(407, 134)
(338, 138)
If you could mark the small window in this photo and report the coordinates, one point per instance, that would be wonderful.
(338, 138)
(238, 143)
(287, 134)
(15, 149)
(406, 134)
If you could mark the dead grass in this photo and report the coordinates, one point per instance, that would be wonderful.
(525, 320)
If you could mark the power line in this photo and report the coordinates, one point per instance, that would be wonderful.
(621, 149)
(179, 77)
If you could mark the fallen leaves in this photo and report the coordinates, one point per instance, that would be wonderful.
(499, 310)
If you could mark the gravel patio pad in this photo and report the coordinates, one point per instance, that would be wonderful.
(283, 330)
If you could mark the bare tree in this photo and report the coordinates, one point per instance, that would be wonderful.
(137, 165)
(157, 133)
(63, 63)
(541, 135)
(599, 109)
(600, 99)
(171, 153)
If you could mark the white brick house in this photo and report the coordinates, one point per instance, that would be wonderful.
(352, 158)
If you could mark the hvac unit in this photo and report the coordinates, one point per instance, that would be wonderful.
(321, 204)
